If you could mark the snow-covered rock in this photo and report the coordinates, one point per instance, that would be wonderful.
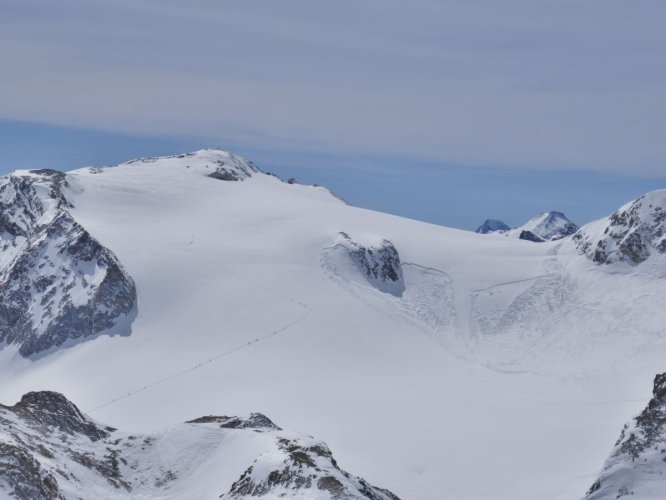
(50, 450)
(637, 465)
(378, 262)
(58, 284)
(631, 235)
(492, 225)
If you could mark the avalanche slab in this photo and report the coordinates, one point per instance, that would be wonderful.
(58, 284)
(49, 449)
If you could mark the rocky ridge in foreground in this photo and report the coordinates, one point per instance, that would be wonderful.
(637, 465)
(50, 450)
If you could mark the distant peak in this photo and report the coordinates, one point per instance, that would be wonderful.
(492, 225)
(550, 226)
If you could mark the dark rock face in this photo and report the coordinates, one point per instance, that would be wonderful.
(631, 235)
(50, 450)
(529, 236)
(24, 475)
(24, 444)
(492, 225)
(57, 283)
(224, 175)
(47, 410)
(638, 457)
(380, 264)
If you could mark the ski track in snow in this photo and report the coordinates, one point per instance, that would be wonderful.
(208, 361)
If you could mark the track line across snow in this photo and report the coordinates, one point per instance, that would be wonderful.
(263, 288)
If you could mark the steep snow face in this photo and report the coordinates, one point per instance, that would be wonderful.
(49, 449)
(57, 283)
(492, 225)
(637, 465)
(631, 235)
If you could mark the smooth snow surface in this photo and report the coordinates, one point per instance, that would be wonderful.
(503, 370)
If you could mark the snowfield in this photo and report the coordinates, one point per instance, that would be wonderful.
(490, 368)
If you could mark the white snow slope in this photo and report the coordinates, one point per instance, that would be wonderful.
(498, 369)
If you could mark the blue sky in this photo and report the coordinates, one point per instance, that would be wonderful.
(447, 111)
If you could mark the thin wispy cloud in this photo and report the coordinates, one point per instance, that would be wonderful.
(538, 84)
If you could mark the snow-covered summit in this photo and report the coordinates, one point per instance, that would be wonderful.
(492, 225)
(631, 235)
(549, 226)
(213, 162)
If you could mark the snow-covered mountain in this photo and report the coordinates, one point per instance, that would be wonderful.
(437, 363)
(49, 450)
(631, 235)
(548, 226)
(492, 225)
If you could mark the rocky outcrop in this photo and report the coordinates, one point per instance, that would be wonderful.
(50, 450)
(57, 282)
(302, 465)
(378, 263)
(631, 235)
(637, 464)
(530, 236)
